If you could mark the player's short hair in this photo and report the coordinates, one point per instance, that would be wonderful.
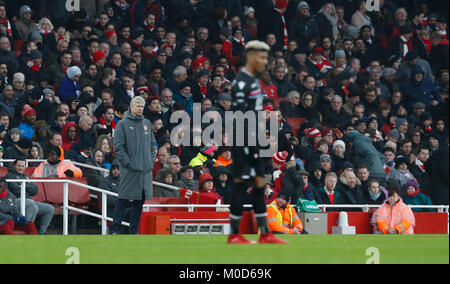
(257, 45)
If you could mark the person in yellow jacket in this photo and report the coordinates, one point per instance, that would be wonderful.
(56, 168)
(282, 217)
(394, 216)
(206, 152)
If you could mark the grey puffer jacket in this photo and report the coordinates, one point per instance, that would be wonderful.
(7, 209)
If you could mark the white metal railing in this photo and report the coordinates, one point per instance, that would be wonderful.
(40, 161)
(104, 218)
(66, 207)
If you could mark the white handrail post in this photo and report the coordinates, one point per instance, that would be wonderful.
(22, 197)
(65, 208)
(104, 213)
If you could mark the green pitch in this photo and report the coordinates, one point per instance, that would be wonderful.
(212, 249)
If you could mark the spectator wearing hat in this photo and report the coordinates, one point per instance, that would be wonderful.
(54, 167)
(399, 174)
(29, 118)
(69, 87)
(282, 217)
(303, 27)
(184, 95)
(33, 66)
(234, 47)
(224, 158)
(136, 38)
(414, 196)
(25, 25)
(200, 87)
(187, 179)
(412, 58)
(317, 63)
(20, 150)
(224, 184)
(99, 59)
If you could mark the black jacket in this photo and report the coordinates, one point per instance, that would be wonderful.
(303, 30)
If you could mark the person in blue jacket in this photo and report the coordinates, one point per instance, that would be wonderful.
(413, 196)
(420, 89)
(69, 87)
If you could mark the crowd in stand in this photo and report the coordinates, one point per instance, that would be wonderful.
(370, 89)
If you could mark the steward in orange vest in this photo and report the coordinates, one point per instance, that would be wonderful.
(282, 217)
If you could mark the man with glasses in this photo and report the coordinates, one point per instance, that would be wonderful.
(25, 26)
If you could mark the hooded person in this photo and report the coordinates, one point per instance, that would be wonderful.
(69, 87)
(56, 168)
(292, 181)
(419, 89)
(413, 196)
(94, 177)
(206, 186)
(69, 136)
(364, 153)
(224, 184)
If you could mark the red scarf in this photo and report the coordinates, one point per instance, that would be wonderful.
(413, 194)
(4, 193)
(323, 64)
(203, 89)
(427, 43)
(33, 66)
(408, 44)
(102, 122)
(345, 89)
(6, 23)
(331, 196)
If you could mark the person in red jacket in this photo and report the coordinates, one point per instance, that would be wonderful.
(206, 186)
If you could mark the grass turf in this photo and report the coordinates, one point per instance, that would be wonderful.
(212, 249)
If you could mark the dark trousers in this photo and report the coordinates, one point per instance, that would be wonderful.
(124, 207)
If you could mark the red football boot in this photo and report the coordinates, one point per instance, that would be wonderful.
(270, 238)
(239, 239)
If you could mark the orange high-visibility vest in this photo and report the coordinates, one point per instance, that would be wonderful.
(282, 220)
(399, 217)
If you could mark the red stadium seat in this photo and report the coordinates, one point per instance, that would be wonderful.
(295, 124)
(18, 44)
(3, 171)
(277, 101)
(40, 196)
(77, 195)
(177, 201)
(29, 171)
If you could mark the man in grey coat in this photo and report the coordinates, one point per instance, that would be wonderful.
(135, 149)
